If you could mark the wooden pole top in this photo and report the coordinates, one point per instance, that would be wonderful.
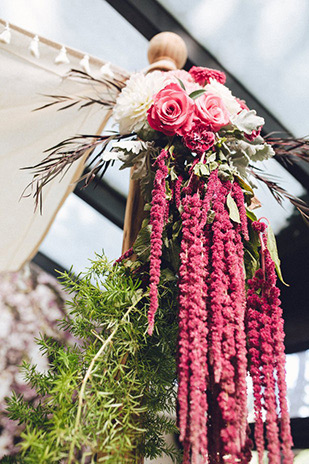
(166, 52)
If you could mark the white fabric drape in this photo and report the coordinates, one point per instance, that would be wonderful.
(25, 134)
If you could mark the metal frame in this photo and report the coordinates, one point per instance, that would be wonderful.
(150, 18)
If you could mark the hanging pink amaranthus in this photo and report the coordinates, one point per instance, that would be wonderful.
(157, 216)
(212, 346)
(217, 319)
(267, 358)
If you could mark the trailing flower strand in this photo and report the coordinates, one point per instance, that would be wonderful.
(265, 338)
(157, 215)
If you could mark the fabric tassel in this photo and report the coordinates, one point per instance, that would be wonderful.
(62, 58)
(5, 36)
(34, 47)
(106, 70)
(84, 62)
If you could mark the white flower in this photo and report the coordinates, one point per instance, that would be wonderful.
(225, 94)
(135, 99)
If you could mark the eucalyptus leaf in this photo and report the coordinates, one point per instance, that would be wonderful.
(168, 275)
(273, 250)
(213, 165)
(247, 121)
(204, 169)
(177, 228)
(197, 93)
(212, 157)
(233, 209)
(263, 152)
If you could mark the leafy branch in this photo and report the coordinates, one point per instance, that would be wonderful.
(92, 406)
(88, 373)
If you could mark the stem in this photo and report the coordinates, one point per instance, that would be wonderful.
(86, 378)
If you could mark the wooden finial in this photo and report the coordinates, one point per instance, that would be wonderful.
(167, 51)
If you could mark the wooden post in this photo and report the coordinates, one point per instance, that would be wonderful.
(167, 52)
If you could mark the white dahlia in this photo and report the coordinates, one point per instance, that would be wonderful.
(135, 99)
(226, 95)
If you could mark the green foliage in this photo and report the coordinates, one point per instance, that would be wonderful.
(108, 398)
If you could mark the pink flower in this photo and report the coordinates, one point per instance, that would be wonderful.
(199, 139)
(172, 110)
(203, 75)
(157, 213)
(242, 103)
(210, 109)
(266, 346)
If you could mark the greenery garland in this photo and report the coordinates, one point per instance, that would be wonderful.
(111, 397)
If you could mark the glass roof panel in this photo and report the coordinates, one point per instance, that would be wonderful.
(79, 232)
(265, 45)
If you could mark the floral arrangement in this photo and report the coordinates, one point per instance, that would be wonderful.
(194, 148)
(205, 140)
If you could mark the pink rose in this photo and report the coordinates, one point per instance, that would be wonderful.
(203, 75)
(210, 109)
(172, 110)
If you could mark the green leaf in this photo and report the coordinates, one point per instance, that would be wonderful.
(177, 228)
(233, 210)
(181, 83)
(244, 185)
(168, 276)
(197, 93)
(213, 165)
(210, 216)
(173, 251)
(173, 173)
(273, 250)
(142, 244)
(251, 264)
(251, 215)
